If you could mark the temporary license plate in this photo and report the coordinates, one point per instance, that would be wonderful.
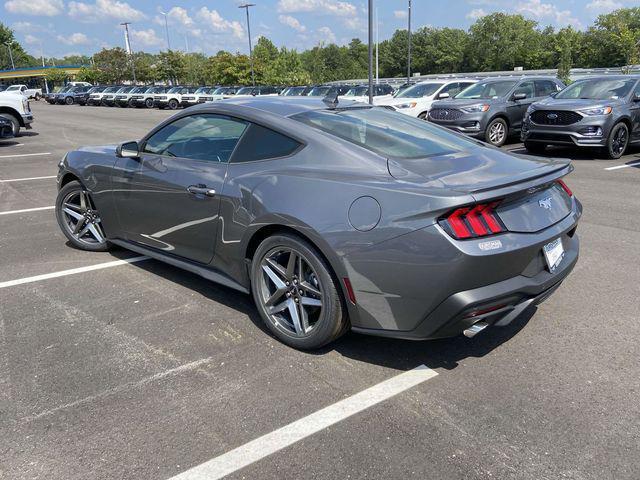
(553, 253)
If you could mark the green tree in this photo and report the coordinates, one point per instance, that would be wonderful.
(225, 68)
(612, 40)
(20, 57)
(171, 66)
(89, 74)
(287, 69)
(113, 63)
(56, 77)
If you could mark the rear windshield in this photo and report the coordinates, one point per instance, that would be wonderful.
(598, 89)
(245, 91)
(319, 91)
(487, 89)
(357, 92)
(420, 90)
(387, 133)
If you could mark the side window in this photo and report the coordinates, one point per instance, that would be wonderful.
(544, 88)
(260, 143)
(526, 88)
(206, 137)
(636, 92)
(452, 89)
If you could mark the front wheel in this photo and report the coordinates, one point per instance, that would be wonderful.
(423, 116)
(149, 102)
(15, 124)
(496, 132)
(37, 97)
(617, 141)
(68, 100)
(296, 294)
(173, 104)
(78, 218)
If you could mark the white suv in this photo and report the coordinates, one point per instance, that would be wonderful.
(416, 100)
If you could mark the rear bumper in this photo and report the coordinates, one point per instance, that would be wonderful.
(571, 135)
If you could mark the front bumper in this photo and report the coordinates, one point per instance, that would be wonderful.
(94, 101)
(160, 103)
(571, 135)
(408, 292)
(472, 124)
(27, 120)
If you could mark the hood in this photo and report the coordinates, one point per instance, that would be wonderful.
(574, 103)
(474, 170)
(106, 149)
(399, 101)
(454, 103)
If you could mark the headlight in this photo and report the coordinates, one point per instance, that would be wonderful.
(406, 105)
(530, 110)
(596, 111)
(480, 107)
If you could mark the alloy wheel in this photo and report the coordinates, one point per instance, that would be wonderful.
(497, 133)
(619, 141)
(290, 292)
(81, 219)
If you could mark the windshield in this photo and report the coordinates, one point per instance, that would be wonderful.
(357, 92)
(598, 89)
(420, 90)
(319, 91)
(294, 91)
(220, 90)
(111, 89)
(387, 133)
(13, 87)
(175, 90)
(494, 89)
(138, 90)
(245, 91)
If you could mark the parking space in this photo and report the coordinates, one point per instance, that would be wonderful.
(140, 370)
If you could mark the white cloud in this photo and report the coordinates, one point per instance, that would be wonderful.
(47, 8)
(101, 9)
(327, 34)
(31, 40)
(292, 22)
(539, 10)
(603, 6)
(74, 39)
(401, 14)
(476, 13)
(215, 22)
(327, 7)
(147, 38)
(24, 27)
(176, 16)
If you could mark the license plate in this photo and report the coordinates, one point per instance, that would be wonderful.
(553, 253)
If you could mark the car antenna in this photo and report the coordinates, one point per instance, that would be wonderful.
(331, 99)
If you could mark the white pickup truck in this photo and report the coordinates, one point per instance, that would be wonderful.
(15, 108)
(34, 93)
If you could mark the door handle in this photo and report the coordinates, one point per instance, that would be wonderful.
(201, 190)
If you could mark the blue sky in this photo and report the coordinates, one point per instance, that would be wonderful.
(60, 27)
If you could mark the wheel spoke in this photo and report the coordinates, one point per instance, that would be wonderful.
(83, 200)
(311, 302)
(295, 317)
(79, 224)
(73, 207)
(304, 318)
(280, 307)
(291, 264)
(96, 233)
(75, 215)
(277, 268)
(277, 295)
(310, 289)
(83, 232)
(273, 276)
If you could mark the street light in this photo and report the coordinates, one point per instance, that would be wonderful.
(166, 29)
(8, 44)
(128, 47)
(370, 52)
(246, 7)
(409, 44)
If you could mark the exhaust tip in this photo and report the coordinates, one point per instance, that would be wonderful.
(475, 329)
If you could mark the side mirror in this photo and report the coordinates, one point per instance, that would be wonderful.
(519, 96)
(553, 94)
(443, 95)
(128, 150)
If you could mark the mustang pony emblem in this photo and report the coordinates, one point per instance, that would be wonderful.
(545, 203)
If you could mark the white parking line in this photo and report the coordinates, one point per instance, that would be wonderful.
(270, 443)
(26, 179)
(25, 210)
(626, 165)
(72, 271)
(25, 155)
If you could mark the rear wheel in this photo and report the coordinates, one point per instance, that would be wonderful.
(15, 123)
(68, 100)
(149, 102)
(173, 104)
(617, 141)
(37, 96)
(296, 294)
(534, 147)
(496, 132)
(78, 218)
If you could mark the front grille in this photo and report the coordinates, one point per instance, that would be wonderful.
(445, 114)
(551, 137)
(555, 117)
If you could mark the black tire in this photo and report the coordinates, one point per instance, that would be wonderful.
(148, 103)
(15, 123)
(36, 97)
(495, 139)
(618, 141)
(173, 104)
(332, 320)
(534, 147)
(69, 189)
(130, 103)
(69, 100)
(423, 116)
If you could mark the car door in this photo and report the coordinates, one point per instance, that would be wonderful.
(516, 109)
(634, 110)
(168, 198)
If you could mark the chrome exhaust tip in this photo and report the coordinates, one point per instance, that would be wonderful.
(475, 329)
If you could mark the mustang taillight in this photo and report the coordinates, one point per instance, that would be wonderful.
(565, 187)
(471, 222)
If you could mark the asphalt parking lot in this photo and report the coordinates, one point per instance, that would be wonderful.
(143, 371)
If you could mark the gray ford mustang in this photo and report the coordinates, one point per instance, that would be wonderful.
(333, 216)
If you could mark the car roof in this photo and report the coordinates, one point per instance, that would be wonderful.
(284, 106)
(518, 78)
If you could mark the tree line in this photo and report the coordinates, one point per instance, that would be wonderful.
(493, 43)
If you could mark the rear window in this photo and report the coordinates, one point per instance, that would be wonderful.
(259, 143)
(387, 133)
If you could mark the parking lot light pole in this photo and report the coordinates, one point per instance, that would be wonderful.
(166, 29)
(409, 44)
(13, 66)
(246, 7)
(370, 52)
(129, 51)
